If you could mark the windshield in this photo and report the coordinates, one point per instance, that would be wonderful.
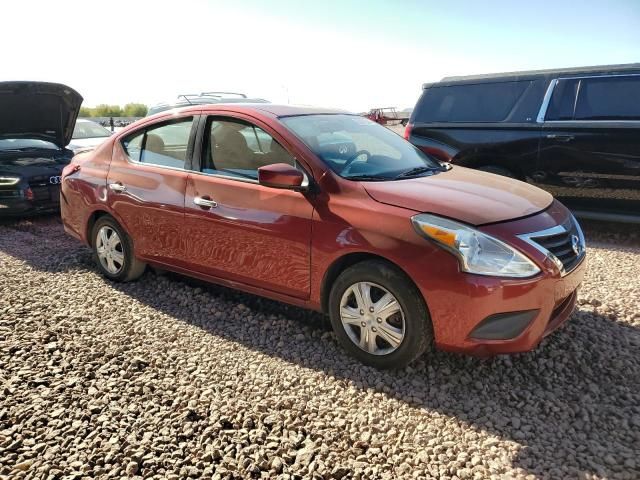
(89, 130)
(25, 143)
(356, 148)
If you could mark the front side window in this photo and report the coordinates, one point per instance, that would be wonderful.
(238, 149)
(356, 148)
(609, 98)
(165, 145)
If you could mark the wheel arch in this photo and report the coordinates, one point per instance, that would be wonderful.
(94, 216)
(347, 260)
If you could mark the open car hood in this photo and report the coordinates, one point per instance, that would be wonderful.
(47, 111)
(463, 194)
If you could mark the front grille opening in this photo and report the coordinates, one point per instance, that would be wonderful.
(43, 190)
(561, 245)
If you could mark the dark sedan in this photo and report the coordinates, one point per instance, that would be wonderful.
(36, 122)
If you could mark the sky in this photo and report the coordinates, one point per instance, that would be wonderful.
(347, 54)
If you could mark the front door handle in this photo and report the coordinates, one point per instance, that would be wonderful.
(205, 202)
(117, 187)
(560, 138)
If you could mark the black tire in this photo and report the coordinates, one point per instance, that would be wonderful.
(497, 170)
(131, 268)
(418, 332)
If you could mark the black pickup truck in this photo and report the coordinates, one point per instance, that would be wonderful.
(573, 132)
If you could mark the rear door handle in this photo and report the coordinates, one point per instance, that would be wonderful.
(560, 138)
(205, 202)
(117, 187)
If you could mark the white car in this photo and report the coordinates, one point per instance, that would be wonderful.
(87, 135)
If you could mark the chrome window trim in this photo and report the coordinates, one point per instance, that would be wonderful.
(149, 164)
(558, 229)
(547, 98)
(226, 177)
(545, 102)
(610, 75)
(305, 180)
(552, 122)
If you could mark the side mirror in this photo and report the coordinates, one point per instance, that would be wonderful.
(281, 175)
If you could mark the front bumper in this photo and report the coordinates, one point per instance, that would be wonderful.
(19, 207)
(463, 305)
(551, 300)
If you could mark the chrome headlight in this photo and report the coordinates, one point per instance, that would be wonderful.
(9, 180)
(477, 252)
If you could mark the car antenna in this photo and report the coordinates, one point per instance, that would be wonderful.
(186, 98)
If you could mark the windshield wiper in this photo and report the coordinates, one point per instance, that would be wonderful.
(367, 177)
(414, 171)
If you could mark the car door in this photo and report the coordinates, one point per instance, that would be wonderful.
(238, 229)
(589, 154)
(146, 187)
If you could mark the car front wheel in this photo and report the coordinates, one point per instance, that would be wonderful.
(379, 316)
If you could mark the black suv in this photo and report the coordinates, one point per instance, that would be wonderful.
(574, 132)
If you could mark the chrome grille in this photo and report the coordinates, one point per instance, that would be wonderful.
(564, 244)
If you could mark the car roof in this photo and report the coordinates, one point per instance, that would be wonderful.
(534, 74)
(202, 99)
(269, 108)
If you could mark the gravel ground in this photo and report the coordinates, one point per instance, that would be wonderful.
(169, 378)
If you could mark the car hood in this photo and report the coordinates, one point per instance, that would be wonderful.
(463, 194)
(37, 162)
(38, 110)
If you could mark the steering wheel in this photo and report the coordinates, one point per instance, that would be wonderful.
(352, 159)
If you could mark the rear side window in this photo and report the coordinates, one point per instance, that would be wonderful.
(609, 98)
(164, 145)
(482, 102)
(563, 100)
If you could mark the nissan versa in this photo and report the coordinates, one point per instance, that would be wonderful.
(333, 212)
(36, 122)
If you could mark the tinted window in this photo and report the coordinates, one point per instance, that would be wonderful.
(563, 100)
(165, 145)
(239, 149)
(355, 147)
(482, 102)
(613, 98)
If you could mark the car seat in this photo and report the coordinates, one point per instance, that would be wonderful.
(230, 150)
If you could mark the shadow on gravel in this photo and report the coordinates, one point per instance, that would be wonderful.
(36, 241)
(572, 404)
(569, 404)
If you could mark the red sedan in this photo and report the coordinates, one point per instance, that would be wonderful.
(330, 211)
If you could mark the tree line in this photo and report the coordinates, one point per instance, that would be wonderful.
(104, 110)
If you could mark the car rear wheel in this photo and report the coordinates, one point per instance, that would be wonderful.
(379, 316)
(113, 251)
